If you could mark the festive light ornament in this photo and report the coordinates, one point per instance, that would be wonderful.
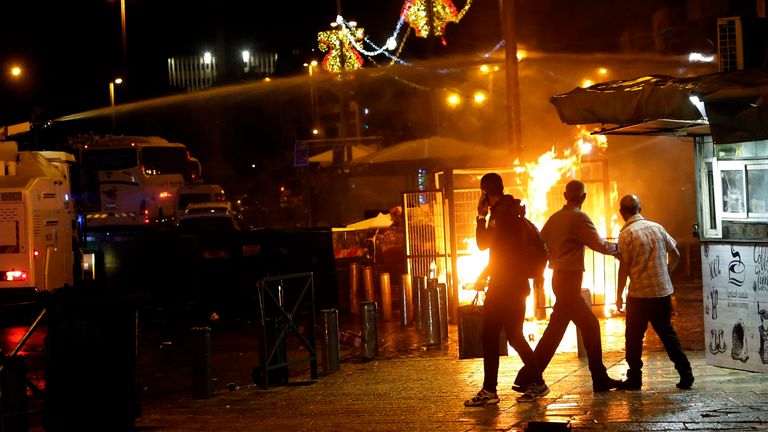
(342, 55)
(417, 13)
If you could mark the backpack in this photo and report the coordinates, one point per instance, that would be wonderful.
(533, 253)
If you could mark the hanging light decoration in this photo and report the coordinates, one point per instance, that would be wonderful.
(419, 13)
(342, 55)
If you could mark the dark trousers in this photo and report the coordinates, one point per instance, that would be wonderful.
(508, 311)
(569, 306)
(657, 311)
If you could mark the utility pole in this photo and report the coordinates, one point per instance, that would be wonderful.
(514, 124)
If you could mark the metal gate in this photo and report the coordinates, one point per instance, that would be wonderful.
(427, 253)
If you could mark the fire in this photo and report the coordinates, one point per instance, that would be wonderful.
(539, 178)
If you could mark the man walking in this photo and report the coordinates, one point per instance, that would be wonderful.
(566, 233)
(645, 247)
(504, 305)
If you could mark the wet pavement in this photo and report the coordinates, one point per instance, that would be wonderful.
(410, 386)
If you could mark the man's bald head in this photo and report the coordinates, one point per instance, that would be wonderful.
(629, 206)
(575, 192)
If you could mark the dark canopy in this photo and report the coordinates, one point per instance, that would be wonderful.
(736, 105)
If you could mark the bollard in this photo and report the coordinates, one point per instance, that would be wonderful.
(202, 382)
(582, 352)
(368, 330)
(354, 285)
(432, 319)
(370, 296)
(406, 304)
(331, 354)
(431, 285)
(442, 297)
(418, 299)
(386, 296)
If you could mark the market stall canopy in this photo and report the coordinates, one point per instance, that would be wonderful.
(358, 150)
(431, 148)
(381, 220)
(732, 106)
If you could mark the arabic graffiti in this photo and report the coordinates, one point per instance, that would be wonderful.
(713, 295)
(736, 268)
(714, 268)
(739, 348)
(760, 257)
(716, 342)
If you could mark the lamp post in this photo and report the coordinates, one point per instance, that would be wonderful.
(122, 24)
(112, 97)
(311, 66)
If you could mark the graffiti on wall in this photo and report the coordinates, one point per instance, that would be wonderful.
(736, 305)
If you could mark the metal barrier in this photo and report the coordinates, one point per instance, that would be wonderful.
(282, 300)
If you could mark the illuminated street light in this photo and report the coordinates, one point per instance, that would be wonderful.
(246, 56)
(479, 97)
(602, 71)
(485, 69)
(207, 58)
(112, 97)
(453, 100)
(16, 71)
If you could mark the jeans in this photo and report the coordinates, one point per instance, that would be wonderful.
(657, 311)
(569, 306)
(507, 310)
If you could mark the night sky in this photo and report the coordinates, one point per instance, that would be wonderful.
(69, 51)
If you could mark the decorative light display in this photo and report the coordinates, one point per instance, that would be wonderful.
(342, 54)
(429, 17)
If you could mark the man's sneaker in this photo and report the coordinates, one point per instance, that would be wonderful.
(686, 380)
(534, 392)
(482, 398)
(631, 384)
(605, 384)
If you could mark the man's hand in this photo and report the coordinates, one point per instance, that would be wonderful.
(619, 304)
(482, 206)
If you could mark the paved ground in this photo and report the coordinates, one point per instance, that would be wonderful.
(410, 387)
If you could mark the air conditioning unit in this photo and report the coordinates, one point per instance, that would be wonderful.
(742, 43)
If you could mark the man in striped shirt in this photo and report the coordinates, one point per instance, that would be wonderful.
(644, 248)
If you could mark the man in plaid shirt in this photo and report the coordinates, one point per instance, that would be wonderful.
(644, 247)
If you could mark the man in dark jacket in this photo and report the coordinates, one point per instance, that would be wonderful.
(504, 305)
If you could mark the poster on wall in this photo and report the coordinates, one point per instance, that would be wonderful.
(735, 283)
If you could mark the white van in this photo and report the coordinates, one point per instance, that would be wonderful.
(198, 193)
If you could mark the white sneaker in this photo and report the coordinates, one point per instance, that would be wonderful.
(534, 392)
(482, 398)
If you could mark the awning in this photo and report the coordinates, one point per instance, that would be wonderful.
(734, 106)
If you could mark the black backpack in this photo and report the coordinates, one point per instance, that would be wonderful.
(533, 252)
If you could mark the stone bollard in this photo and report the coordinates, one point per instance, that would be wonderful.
(354, 288)
(582, 352)
(418, 301)
(386, 296)
(432, 319)
(442, 297)
(202, 373)
(406, 303)
(331, 353)
(368, 330)
(370, 295)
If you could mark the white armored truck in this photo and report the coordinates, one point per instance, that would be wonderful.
(36, 219)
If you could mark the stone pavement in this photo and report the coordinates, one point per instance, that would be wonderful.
(410, 387)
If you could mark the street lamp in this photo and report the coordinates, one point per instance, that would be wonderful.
(16, 71)
(112, 97)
